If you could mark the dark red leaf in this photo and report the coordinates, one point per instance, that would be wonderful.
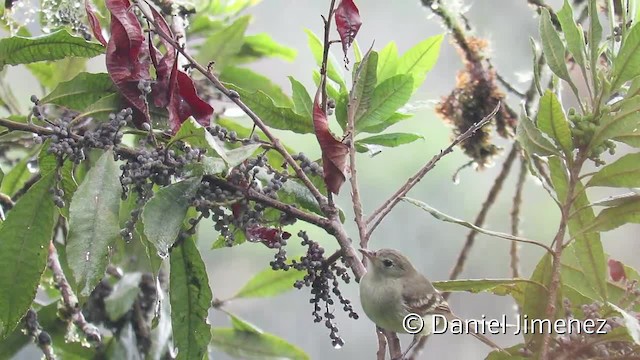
(184, 101)
(334, 153)
(616, 270)
(161, 88)
(127, 55)
(348, 23)
(266, 235)
(94, 23)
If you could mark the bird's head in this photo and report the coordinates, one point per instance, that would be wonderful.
(388, 263)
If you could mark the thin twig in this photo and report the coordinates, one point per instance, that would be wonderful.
(233, 96)
(69, 299)
(482, 215)
(40, 337)
(515, 218)
(388, 205)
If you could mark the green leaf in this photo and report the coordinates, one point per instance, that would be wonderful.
(595, 36)
(264, 45)
(51, 73)
(532, 140)
(302, 103)
(535, 298)
(390, 139)
(420, 59)
(501, 287)
(238, 155)
(24, 239)
(269, 282)
(621, 125)
(164, 213)
(624, 172)
(631, 323)
(124, 294)
(391, 120)
(536, 66)
(316, 49)
(364, 84)
(223, 44)
(16, 177)
(587, 247)
(552, 121)
(387, 98)
(102, 108)
(553, 48)
(616, 216)
(243, 325)
(283, 118)
(80, 92)
(93, 223)
(388, 62)
(55, 46)
(190, 296)
(616, 200)
(194, 134)
(252, 345)
(626, 64)
(573, 34)
(249, 80)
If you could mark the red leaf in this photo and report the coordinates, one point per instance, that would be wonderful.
(334, 153)
(266, 235)
(184, 101)
(94, 23)
(127, 55)
(616, 270)
(161, 88)
(348, 23)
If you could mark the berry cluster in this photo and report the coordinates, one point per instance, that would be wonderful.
(308, 166)
(323, 280)
(41, 337)
(584, 127)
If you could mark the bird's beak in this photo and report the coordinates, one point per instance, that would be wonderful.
(368, 253)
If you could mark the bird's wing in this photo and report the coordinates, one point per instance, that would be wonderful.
(422, 298)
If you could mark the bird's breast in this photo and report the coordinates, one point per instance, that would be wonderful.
(382, 304)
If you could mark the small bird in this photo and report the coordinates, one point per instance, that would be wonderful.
(392, 288)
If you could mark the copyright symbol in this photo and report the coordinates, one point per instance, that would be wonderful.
(413, 323)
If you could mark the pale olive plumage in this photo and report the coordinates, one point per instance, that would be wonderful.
(392, 288)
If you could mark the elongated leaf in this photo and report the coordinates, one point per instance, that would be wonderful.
(391, 120)
(388, 60)
(552, 47)
(595, 36)
(164, 213)
(223, 44)
(364, 84)
(16, 177)
(251, 81)
(587, 247)
(264, 45)
(106, 105)
(552, 121)
(332, 68)
(197, 136)
(51, 73)
(622, 125)
(252, 345)
(626, 64)
(80, 92)
(616, 216)
(93, 223)
(240, 154)
(616, 200)
(631, 323)
(242, 325)
(348, 23)
(334, 152)
(513, 287)
(190, 296)
(387, 98)
(277, 117)
(624, 172)
(269, 282)
(302, 102)
(390, 139)
(420, 59)
(535, 299)
(24, 240)
(55, 46)
(532, 140)
(573, 34)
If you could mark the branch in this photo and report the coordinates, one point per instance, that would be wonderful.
(482, 215)
(39, 336)
(233, 96)
(69, 299)
(388, 205)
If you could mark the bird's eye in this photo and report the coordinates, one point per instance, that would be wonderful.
(387, 263)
